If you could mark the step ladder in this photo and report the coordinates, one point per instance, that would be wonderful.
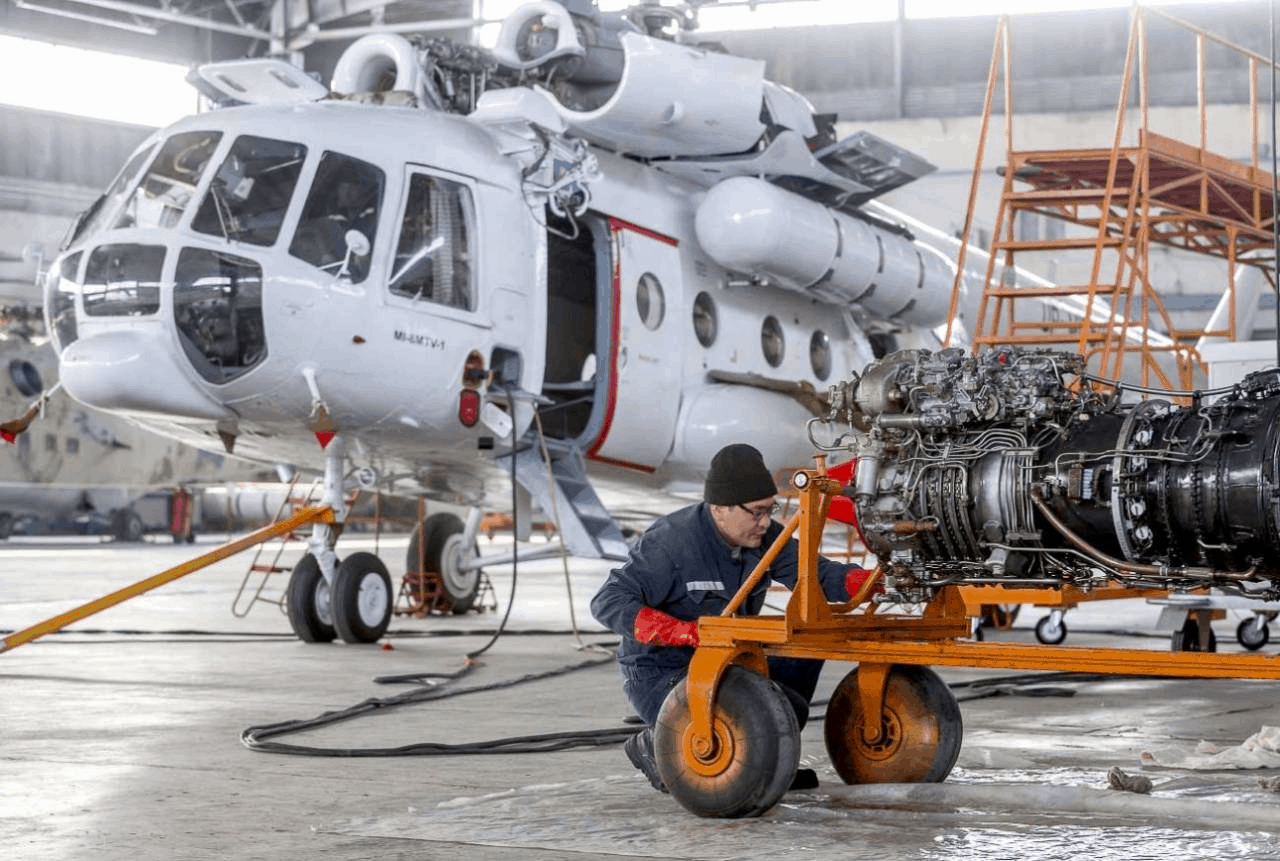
(245, 598)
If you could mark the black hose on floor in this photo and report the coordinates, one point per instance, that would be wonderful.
(257, 738)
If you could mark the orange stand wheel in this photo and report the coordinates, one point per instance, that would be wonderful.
(752, 758)
(915, 738)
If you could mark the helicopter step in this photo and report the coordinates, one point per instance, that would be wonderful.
(565, 492)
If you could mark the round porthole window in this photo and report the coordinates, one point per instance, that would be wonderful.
(26, 377)
(704, 319)
(820, 354)
(772, 341)
(649, 300)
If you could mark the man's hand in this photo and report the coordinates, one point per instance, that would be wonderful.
(855, 577)
(657, 628)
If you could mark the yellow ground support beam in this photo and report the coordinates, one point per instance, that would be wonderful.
(57, 623)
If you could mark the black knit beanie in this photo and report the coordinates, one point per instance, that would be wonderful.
(738, 475)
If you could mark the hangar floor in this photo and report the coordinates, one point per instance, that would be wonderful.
(121, 740)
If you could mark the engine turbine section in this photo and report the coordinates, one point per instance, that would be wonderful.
(1012, 468)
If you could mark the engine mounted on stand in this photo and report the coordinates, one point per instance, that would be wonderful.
(1011, 467)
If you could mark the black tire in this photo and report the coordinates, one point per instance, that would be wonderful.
(308, 603)
(362, 599)
(1049, 633)
(921, 730)
(757, 753)
(442, 542)
(1187, 638)
(1253, 633)
(6, 525)
(127, 526)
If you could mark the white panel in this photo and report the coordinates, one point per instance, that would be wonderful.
(646, 362)
(677, 100)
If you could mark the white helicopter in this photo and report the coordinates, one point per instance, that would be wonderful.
(587, 258)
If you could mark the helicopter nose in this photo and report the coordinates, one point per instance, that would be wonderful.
(133, 371)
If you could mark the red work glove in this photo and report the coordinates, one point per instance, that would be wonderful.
(855, 577)
(657, 628)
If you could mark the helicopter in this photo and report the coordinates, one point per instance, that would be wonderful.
(576, 264)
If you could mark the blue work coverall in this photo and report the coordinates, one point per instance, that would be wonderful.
(683, 567)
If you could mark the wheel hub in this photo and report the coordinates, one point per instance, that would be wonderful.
(456, 581)
(324, 603)
(708, 760)
(371, 603)
(886, 744)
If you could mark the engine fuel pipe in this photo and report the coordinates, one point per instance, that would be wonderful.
(1101, 558)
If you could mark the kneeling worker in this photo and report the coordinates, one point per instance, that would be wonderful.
(690, 563)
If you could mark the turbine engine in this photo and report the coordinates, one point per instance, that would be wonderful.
(1012, 468)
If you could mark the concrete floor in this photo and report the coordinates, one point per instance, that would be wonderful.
(121, 740)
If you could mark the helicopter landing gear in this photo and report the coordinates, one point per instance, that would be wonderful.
(362, 599)
(444, 549)
(308, 603)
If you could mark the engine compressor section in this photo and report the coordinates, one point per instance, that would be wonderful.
(1014, 467)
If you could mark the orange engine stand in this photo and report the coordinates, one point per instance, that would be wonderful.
(892, 722)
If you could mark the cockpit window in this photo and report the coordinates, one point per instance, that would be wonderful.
(165, 191)
(95, 216)
(433, 258)
(123, 280)
(61, 300)
(217, 304)
(345, 196)
(249, 194)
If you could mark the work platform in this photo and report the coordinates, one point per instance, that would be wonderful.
(1104, 208)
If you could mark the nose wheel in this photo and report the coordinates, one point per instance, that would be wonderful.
(915, 738)
(362, 598)
(749, 763)
(308, 604)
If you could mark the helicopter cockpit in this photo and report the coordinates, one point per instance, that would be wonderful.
(188, 226)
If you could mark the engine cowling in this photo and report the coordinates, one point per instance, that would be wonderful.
(1011, 467)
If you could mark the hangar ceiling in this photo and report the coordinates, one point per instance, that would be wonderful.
(188, 31)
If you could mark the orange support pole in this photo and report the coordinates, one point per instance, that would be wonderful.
(57, 623)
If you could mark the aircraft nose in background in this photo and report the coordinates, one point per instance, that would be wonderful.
(134, 371)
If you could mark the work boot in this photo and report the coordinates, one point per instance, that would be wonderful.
(806, 778)
(639, 750)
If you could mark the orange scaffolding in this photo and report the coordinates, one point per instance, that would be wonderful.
(1117, 202)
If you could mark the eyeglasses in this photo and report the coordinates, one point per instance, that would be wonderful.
(761, 513)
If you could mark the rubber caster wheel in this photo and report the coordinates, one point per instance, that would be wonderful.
(920, 730)
(1187, 638)
(1253, 633)
(362, 599)
(307, 602)
(754, 756)
(1051, 630)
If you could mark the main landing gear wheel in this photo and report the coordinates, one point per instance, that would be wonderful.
(308, 604)
(443, 553)
(920, 730)
(127, 526)
(754, 755)
(1187, 638)
(362, 599)
(1253, 633)
(1051, 629)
